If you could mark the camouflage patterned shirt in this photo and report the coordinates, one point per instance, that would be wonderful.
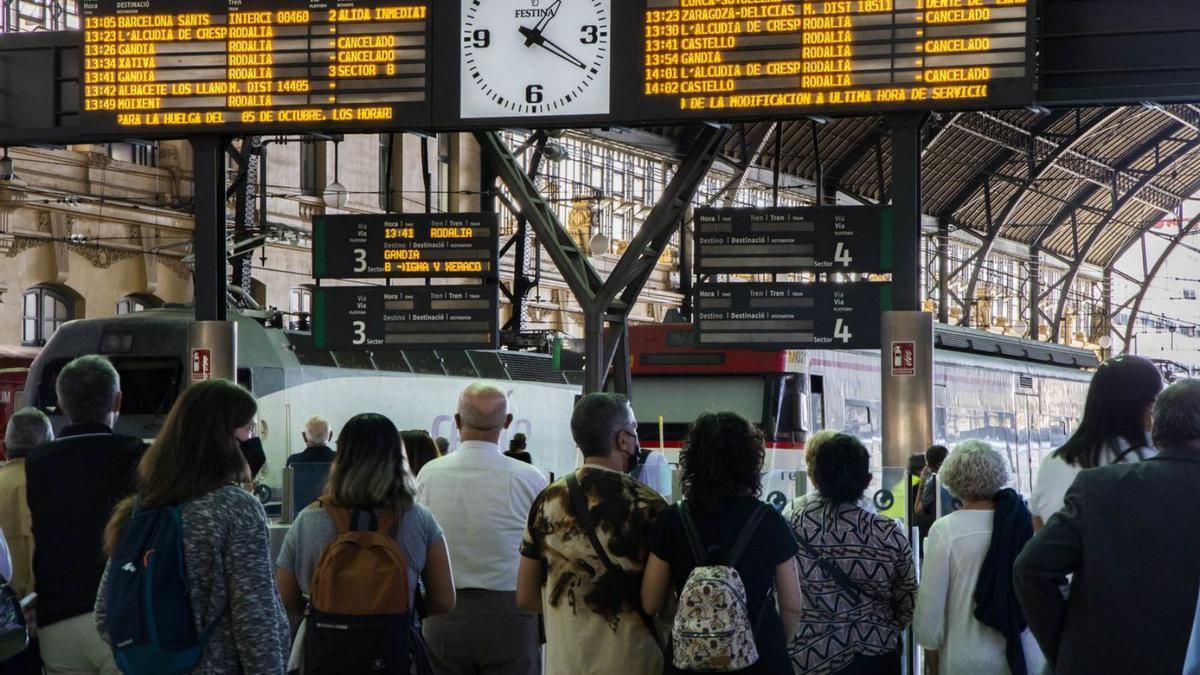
(591, 627)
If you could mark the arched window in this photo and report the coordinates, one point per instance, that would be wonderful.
(138, 302)
(301, 299)
(44, 309)
(300, 303)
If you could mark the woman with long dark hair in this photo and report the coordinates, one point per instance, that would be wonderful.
(419, 448)
(721, 465)
(196, 464)
(369, 473)
(1115, 428)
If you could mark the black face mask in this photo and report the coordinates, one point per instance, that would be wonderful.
(252, 450)
(638, 457)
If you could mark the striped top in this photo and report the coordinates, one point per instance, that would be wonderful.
(836, 624)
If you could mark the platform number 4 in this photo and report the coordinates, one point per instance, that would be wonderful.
(842, 332)
(841, 254)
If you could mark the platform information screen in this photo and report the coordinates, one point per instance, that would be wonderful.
(400, 245)
(152, 67)
(406, 317)
(729, 58)
(789, 316)
(800, 239)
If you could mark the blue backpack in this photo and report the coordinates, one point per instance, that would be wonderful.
(149, 609)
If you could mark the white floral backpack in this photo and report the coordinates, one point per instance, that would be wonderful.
(712, 630)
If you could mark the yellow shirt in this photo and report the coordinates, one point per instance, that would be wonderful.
(16, 525)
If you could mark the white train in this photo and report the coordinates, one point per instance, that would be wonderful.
(1023, 397)
(292, 382)
(1025, 401)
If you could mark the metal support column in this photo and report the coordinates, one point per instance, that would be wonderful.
(906, 209)
(686, 245)
(622, 369)
(208, 243)
(1035, 292)
(523, 238)
(943, 263)
(606, 301)
(1106, 307)
(907, 333)
(245, 193)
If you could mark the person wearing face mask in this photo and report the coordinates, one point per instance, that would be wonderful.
(195, 465)
(72, 485)
(585, 548)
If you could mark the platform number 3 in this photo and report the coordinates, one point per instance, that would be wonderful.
(841, 254)
(360, 332)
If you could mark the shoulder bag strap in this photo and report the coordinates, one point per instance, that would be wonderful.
(579, 506)
(739, 547)
(1120, 457)
(692, 534)
(840, 577)
(339, 516)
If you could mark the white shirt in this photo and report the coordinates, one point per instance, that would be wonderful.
(655, 474)
(944, 619)
(1055, 476)
(481, 499)
(5, 559)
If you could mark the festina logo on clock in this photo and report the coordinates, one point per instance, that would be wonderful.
(523, 58)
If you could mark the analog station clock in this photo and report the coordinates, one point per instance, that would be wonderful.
(534, 58)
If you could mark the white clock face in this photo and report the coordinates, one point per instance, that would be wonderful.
(523, 58)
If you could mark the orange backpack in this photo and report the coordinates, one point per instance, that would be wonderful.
(358, 617)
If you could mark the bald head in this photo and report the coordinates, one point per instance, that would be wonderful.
(482, 413)
(316, 431)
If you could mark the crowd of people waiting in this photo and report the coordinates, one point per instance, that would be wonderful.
(1093, 576)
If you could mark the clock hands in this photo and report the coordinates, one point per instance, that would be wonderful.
(551, 12)
(534, 36)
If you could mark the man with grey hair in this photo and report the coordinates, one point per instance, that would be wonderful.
(481, 498)
(1132, 542)
(599, 627)
(316, 443)
(73, 483)
(27, 429)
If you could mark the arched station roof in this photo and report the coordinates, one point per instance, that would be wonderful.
(1080, 184)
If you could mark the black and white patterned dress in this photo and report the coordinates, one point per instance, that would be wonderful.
(836, 624)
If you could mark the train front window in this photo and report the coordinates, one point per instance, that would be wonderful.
(680, 400)
(148, 386)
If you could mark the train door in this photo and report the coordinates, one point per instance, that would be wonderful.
(1029, 444)
(10, 397)
(862, 419)
(816, 402)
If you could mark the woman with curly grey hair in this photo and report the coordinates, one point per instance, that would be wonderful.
(967, 617)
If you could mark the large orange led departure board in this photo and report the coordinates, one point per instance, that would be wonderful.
(736, 58)
(164, 66)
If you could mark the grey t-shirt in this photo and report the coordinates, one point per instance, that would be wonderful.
(314, 530)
